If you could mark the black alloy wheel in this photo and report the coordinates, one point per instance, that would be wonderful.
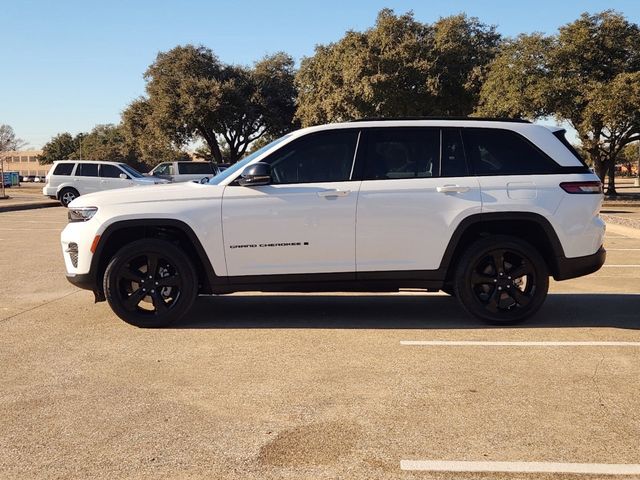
(502, 280)
(150, 283)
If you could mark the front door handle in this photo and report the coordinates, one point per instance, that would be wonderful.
(452, 189)
(334, 193)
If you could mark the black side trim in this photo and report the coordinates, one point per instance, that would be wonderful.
(579, 266)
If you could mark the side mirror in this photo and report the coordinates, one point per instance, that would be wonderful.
(203, 180)
(256, 174)
(123, 176)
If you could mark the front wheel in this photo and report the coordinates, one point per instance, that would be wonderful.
(150, 283)
(501, 280)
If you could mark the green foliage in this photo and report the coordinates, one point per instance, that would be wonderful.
(587, 75)
(400, 67)
(61, 147)
(192, 95)
(151, 146)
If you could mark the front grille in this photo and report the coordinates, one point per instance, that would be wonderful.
(72, 250)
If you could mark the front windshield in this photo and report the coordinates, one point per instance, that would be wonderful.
(236, 167)
(131, 171)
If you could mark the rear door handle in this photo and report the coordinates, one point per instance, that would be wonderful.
(334, 193)
(452, 189)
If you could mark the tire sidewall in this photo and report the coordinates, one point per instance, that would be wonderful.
(467, 297)
(179, 260)
(65, 190)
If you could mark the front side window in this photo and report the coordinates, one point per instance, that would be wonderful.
(110, 171)
(163, 169)
(503, 152)
(63, 169)
(87, 170)
(397, 153)
(318, 157)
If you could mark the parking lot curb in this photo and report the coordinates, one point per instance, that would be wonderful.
(27, 206)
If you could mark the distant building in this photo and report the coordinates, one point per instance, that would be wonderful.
(25, 162)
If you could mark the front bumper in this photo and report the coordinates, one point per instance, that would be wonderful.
(579, 266)
(86, 281)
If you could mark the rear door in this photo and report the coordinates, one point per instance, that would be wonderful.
(86, 179)
(416, 189)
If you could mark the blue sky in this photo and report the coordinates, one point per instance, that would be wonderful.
(69, 65)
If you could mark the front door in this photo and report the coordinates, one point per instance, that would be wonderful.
(304, 221)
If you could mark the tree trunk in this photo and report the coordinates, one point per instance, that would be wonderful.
(611, 185)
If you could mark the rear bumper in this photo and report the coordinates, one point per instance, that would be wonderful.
(577, 267)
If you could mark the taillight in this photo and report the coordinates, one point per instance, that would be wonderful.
(582, 187)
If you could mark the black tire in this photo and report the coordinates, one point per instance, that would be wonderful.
(136, 298)
(67, 195)
(501, 280)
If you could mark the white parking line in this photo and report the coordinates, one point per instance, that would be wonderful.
(522, 467)
(469, 343)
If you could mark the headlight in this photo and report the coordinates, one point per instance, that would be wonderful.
(81, 214)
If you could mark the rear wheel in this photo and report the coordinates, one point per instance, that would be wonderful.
(501, 280)
(150, 283)
(67, 195)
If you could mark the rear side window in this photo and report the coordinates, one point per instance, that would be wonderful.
(453, 162)
(63, 169)
(503, 152)
(110, 171)
(195, 168)
(397, 153)
(87, 170)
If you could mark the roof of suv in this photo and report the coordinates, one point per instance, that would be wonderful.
(88, 160)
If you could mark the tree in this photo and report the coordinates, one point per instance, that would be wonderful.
(149, 143)
(8, 142)
(588, 75)
(399, 67)
(61, 147)
(192, 95)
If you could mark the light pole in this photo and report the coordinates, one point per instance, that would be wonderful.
(2, 175)
(637, 182)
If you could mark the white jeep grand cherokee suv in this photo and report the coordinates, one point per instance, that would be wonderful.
(485, 210)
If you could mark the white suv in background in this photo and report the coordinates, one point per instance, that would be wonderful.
(485, 210)
(69, 179)
(184, 171)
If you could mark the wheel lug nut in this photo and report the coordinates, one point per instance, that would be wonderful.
(153, 291)
(499, 288)
(495, 281)
(156, 283)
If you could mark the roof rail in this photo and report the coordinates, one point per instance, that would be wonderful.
(477, 119)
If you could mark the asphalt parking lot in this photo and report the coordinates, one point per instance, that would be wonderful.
(310, 386)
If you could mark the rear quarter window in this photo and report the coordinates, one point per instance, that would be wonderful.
(63, 169)
(195, 168)
(503, 152)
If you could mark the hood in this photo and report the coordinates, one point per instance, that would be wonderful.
(170, 192)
